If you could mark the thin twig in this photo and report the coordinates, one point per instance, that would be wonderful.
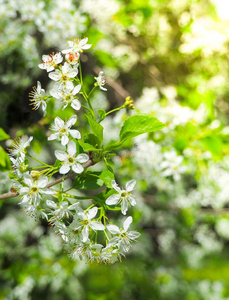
(13, 192)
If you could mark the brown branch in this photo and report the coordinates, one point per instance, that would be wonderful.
(13, 192)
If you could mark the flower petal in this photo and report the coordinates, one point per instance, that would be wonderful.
(132, 200)
(113, 229)
(53, 136)
(124, 206)
(76, 104)
(113, 199)
(64, 169)
(61, 155)
(127, 223)
(59, 122)
(51, 204)
(82, 158)
(72, 121)
(56, 75)
(95, 225)
(115, 186)
(42, 182)
(85, 234)
(130, 185)
(64, 140)
(92, 213)
(75, 133)
(77, 168)
(76, 89)
(71, 148)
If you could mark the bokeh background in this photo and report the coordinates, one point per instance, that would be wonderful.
(171, 57)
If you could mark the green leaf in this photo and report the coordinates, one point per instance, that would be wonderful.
(88, 147)
(3, 135)
(107, 177)
(4, 160)
(91, 139)
(139, 124)
(96, 128)
(88, 181)
(102, 114)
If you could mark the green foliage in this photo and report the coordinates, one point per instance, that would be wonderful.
(138, 124)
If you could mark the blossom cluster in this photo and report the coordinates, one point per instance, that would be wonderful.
(81, 229)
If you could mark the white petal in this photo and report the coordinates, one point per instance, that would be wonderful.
(59, 122)
(55, 93)
(42, 182)
(132, 200)
(76, 89)
(95, 225)
(24, 190)
(92, 213)
(85, 47)
(74, 206)
(69, 85)
(64, 140)
(127, 223)
(82, 158)
(75, 133)
(28, 181)
(85, 233)
(51, 204)
(76, 104)
(72, 121)
(53, 136)
(77, 168)
(130, 185)
(66, 51)
(61, 155)
(55, 75)
(115, 186)
(132, 235)
(113, 229)
(124, 206)
(64, 169)
(66, 68)
(71, 148)
(113, 199)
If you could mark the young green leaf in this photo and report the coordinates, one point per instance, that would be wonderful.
(88, 181)
(102, 114)
(96, 128)
(107, 177)
(139, 124)
(3, 135)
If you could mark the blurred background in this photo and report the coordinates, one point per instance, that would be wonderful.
(171, 57)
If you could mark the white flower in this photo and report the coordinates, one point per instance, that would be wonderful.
(72, 58)
(124, 196)
(84, 221)
(70, 160)
(101, 81)
(38, 97)
(33, 212)
(67, 96)
(61, 209)
(64, 74)
(172, 165)
(33, 190)
(62, 130)
(123, 237)
(50, 61)
(19, 148)
(77, 45)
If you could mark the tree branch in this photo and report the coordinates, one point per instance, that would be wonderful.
(13, 192)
